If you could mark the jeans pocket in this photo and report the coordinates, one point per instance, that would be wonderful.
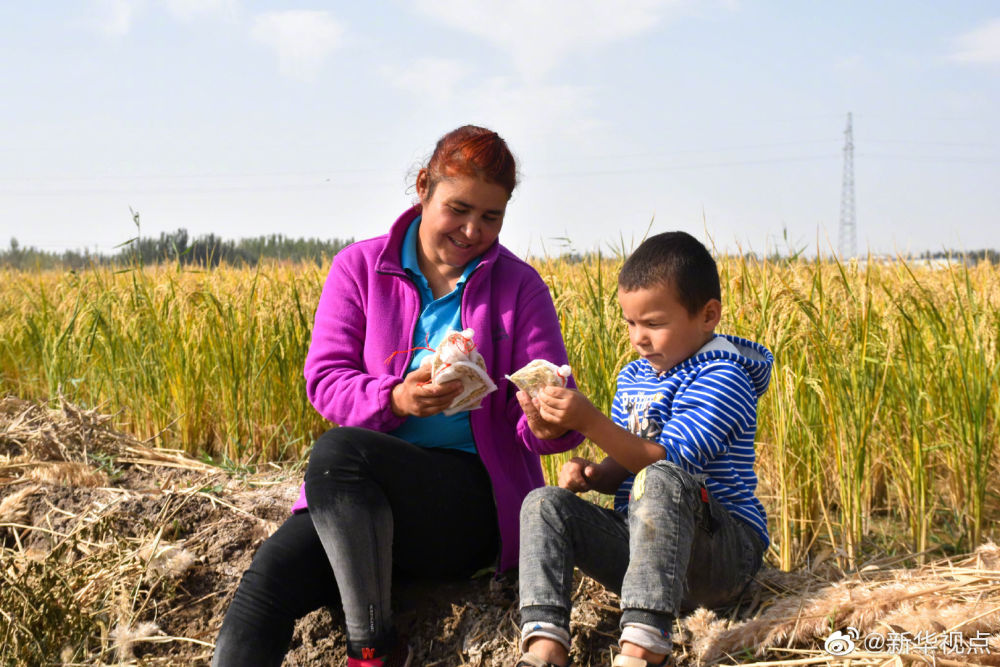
(709, 518)
(754, 553)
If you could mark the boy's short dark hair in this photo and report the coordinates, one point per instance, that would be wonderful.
(673, 258)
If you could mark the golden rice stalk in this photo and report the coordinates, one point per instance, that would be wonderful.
(125, 637)
(32, 432)
(63, 473)
(705, 631)
(12, 508)
(166, 560)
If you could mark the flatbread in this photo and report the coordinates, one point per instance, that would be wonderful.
(456, 358)
(539, 373)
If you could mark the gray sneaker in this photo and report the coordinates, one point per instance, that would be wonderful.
(631, 661)
(532, 660)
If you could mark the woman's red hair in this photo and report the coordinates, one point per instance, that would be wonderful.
(472, 151)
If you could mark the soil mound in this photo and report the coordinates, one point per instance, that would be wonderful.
(114, 552)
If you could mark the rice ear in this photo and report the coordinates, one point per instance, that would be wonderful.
(65, 473)
(940, 597)
(12, 509)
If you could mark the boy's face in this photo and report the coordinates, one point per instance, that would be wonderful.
(661, 329)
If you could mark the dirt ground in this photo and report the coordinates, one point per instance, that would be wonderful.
(112, 552)
(177, 534)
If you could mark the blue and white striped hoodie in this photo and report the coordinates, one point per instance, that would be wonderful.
(703, 411)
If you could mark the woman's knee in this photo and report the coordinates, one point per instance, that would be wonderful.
(339, 448)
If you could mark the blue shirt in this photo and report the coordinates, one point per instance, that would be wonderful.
(703, 412)
(437, 318)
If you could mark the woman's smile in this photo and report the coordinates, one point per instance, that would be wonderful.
(459, 243)
(462, 218)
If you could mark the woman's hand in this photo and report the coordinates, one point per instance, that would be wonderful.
(542, 429)
(416, 395)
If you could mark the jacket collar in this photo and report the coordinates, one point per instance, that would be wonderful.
(390, 259)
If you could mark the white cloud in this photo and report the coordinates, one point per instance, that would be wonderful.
(302, 39)
(117, 15)
(190, 9)
(438, 77)
(981, 45)
(526, 113)
(534, 113)
(538, 35)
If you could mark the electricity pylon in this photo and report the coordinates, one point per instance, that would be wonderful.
(848, 223)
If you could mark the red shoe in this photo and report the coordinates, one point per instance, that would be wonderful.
(398, 657)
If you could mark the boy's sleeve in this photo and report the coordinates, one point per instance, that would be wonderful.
(621, 494)
(617, 412)
(719, 402)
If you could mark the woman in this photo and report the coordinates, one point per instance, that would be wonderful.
(399, 486)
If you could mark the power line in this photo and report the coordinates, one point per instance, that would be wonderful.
(962, 159)
(932, 143)
(686, 151)
(693, 165)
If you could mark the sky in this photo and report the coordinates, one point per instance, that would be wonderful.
(724, 118)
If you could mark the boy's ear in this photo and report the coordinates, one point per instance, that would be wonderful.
(711, 314)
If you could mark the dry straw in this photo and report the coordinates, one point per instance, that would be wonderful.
(949, 595)
(74, 584)
(80, 579)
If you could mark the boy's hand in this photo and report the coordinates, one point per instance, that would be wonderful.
(577, 474)
(567, 408)
(542, 429)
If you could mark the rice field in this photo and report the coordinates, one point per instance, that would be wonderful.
(879, 431)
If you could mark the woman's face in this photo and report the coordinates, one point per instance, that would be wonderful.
(461, 219)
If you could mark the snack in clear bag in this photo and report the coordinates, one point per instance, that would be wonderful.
(456, 358)
(539, 373)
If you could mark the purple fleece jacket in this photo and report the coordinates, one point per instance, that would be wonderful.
(369, 309)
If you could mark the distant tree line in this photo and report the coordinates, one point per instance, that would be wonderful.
(210, 250)
(966, 256)
(178, 247)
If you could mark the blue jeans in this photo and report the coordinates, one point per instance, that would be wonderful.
(378, 507)
(673, 551)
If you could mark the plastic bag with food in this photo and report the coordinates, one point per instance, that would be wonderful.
(456, 358)
(539, 373)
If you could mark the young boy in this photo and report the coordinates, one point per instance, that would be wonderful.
(687, 529)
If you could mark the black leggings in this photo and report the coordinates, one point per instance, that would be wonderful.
(377, 505)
